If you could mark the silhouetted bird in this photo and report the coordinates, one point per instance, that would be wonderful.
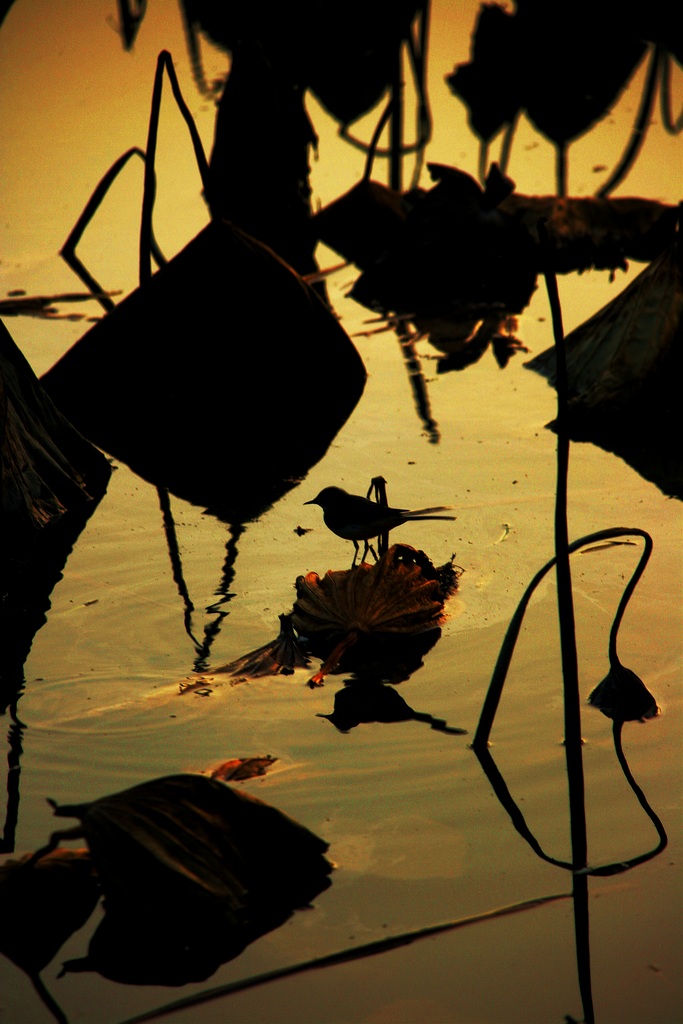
(355, 518)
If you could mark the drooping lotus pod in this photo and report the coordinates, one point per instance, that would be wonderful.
(623, 696)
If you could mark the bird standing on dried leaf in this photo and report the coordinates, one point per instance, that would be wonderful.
(355, 518)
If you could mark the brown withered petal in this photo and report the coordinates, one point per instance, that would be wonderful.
(395, 595)
(623, 696)
(240, 768)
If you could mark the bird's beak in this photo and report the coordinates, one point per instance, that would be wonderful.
(311, 502)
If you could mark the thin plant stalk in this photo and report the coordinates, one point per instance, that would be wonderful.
(641, 125)
(342, 957)
(565, 601)
(164, 62)
(500, 671)
(396, 125)
(570, 671)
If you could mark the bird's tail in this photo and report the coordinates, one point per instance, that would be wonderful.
(428, 513)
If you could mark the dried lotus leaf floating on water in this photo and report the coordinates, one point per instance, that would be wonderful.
(595, 232)
(238, 769)
(192, 871)
(390, 606)
(384, 605)
(401, 593)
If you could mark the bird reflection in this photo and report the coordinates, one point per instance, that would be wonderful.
(358, 703)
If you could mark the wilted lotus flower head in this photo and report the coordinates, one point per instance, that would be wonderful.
(623, 696)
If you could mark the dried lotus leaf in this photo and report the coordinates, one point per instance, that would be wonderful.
(192, 871)
(190, 840)
(626, 347)
(392, 596)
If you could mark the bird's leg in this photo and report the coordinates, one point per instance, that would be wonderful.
(355, 556)
(368, 547)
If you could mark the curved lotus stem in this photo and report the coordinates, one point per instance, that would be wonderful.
(507, 647)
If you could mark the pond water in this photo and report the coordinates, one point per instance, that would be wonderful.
(416, 830)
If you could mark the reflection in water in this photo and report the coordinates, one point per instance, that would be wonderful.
(561, 93)
(418, 385)
(51, 481)
(223, 593)
(364, 702)
(356, 952)
(348, 62)
(14, 752)
(176, 562)
(580, 890)
(42, 905)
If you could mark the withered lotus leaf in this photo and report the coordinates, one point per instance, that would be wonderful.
(192, 871)
(592, 231)
(401, 593)
(188, 837)
(628, 353)
(43, 903)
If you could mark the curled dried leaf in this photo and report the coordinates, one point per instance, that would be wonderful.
(240, 768)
